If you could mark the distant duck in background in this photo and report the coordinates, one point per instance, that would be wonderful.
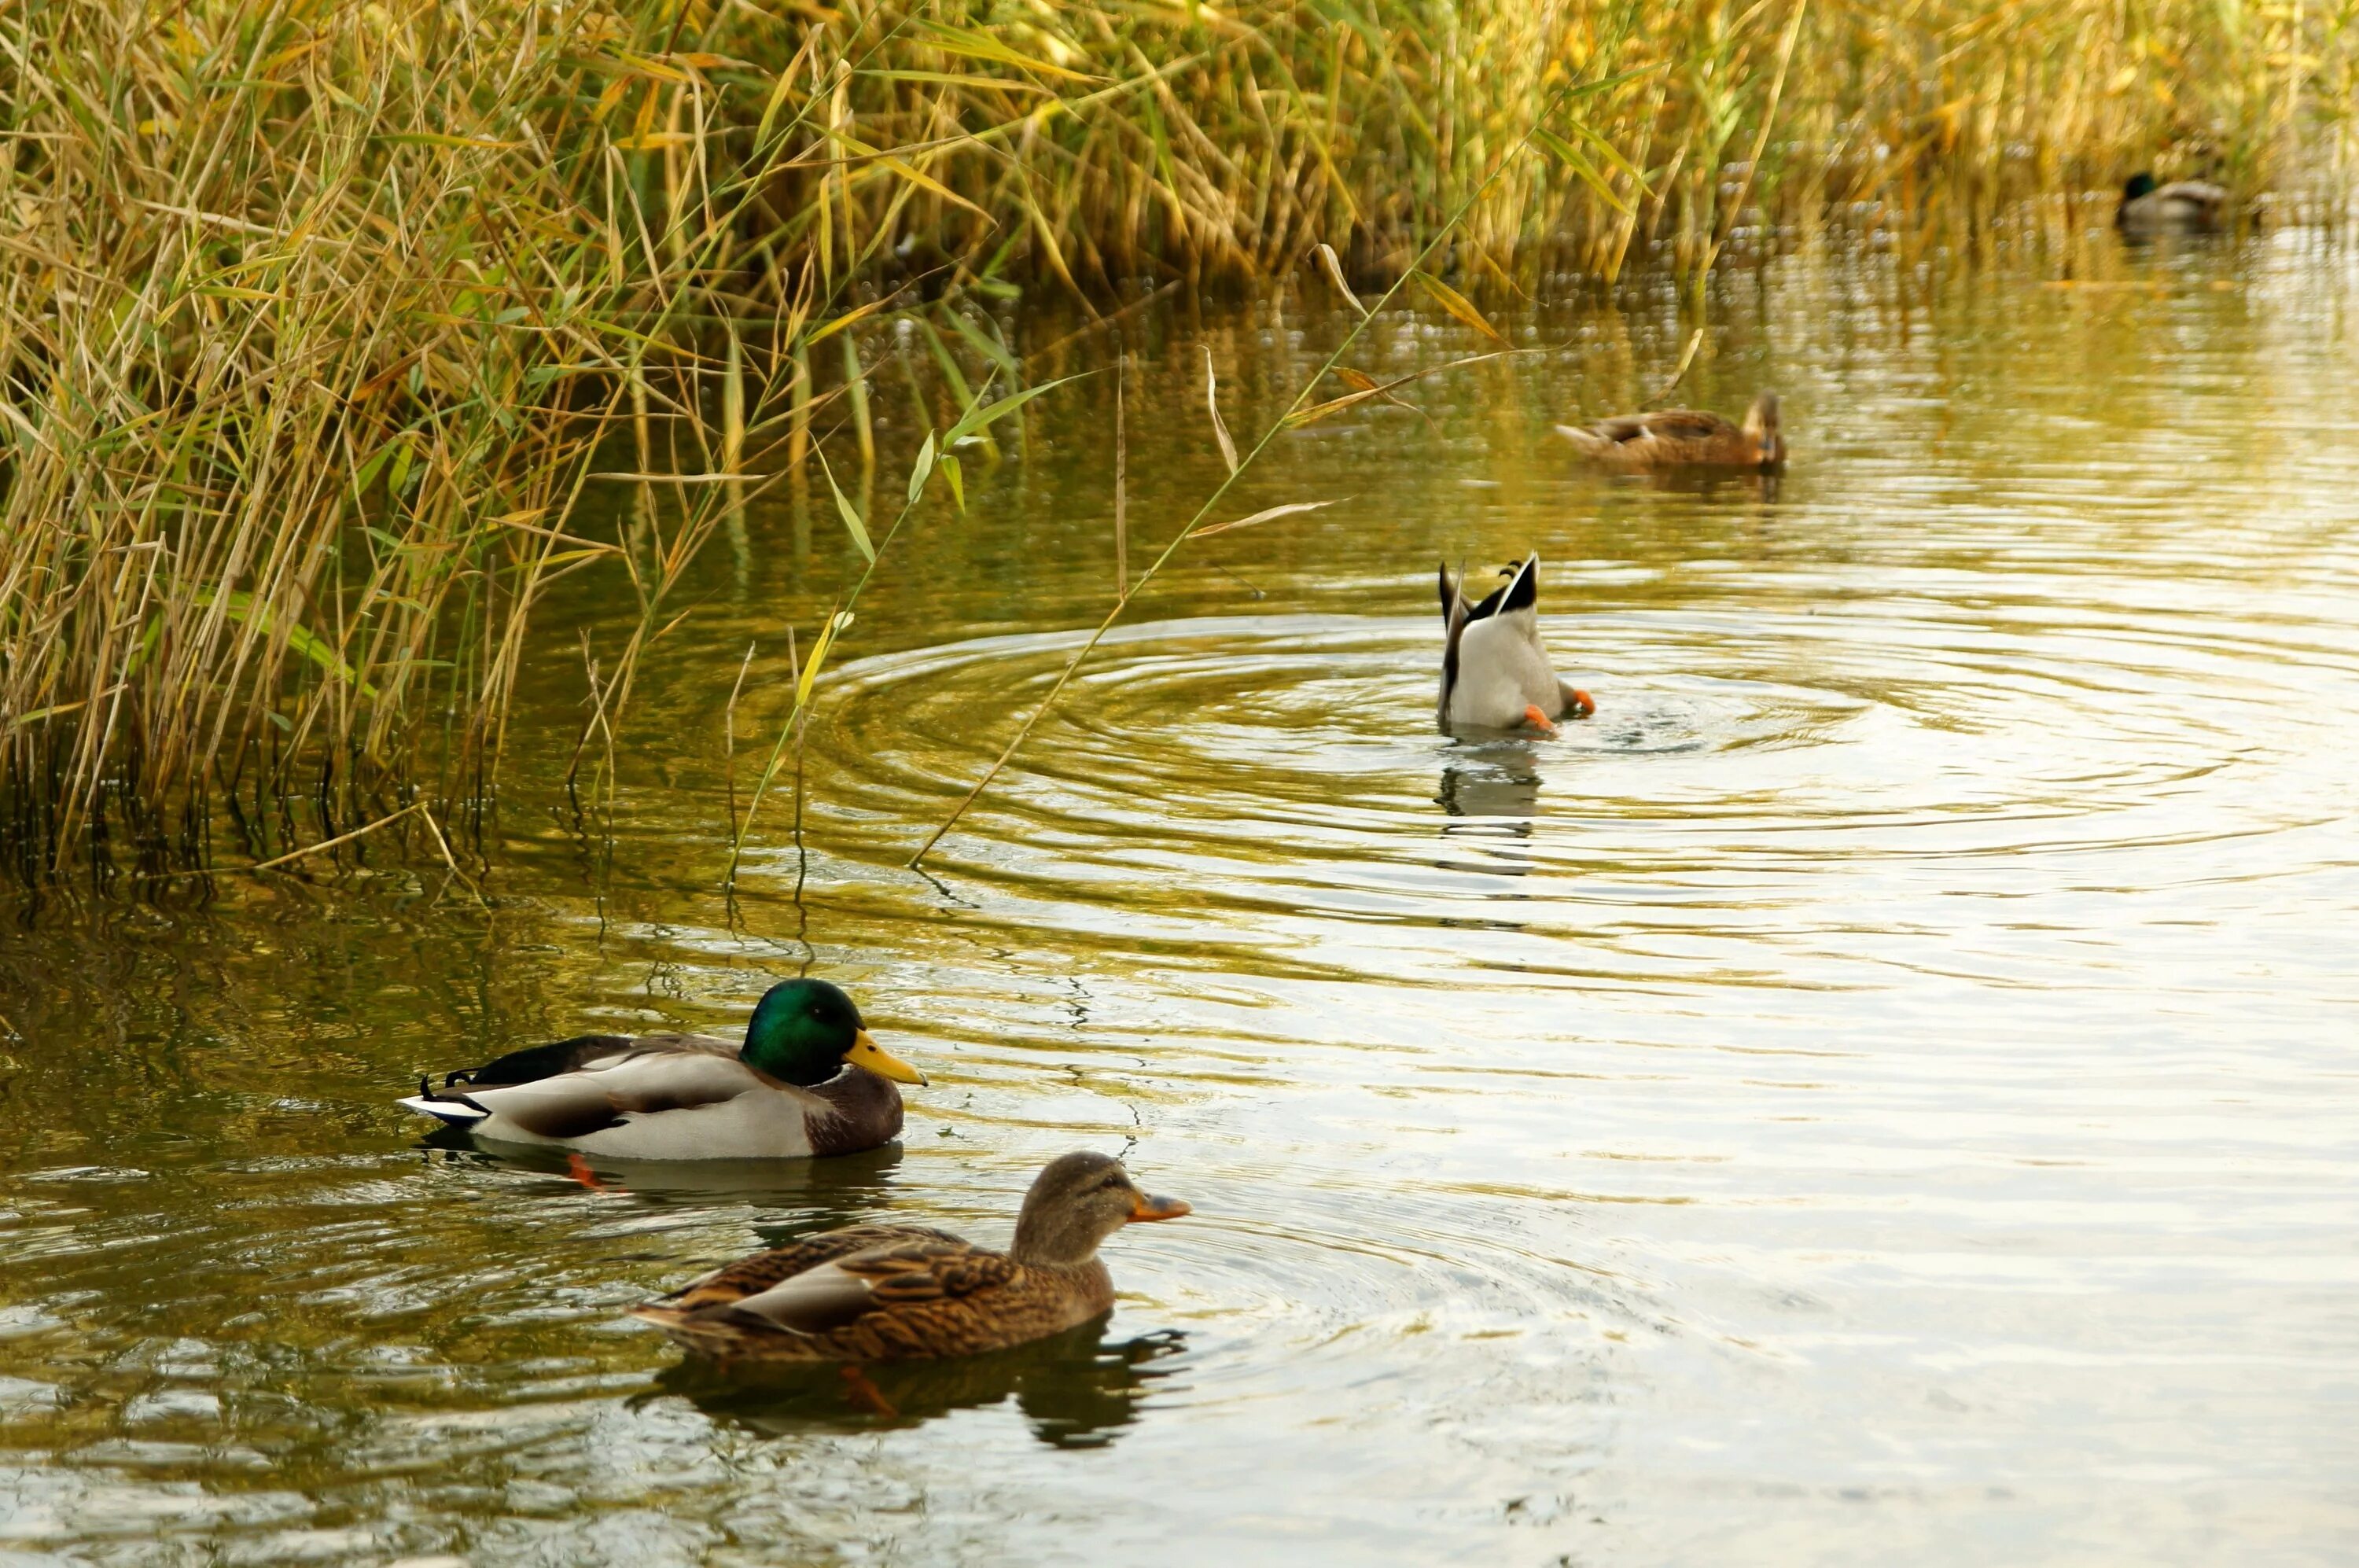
(1683, 438)
(807, 1080)
(2181, 207)
(1496, 672)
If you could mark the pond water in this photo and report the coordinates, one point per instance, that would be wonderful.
(1886, 1086)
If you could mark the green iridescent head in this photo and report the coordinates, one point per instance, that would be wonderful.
(804, 1030)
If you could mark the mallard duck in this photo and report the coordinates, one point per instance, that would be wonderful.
(1495, 670)
(2181, 207)
(884, 1293)
(807, 1080)
(1683, 438)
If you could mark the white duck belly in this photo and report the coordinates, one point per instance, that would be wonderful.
(1503, 670)
(669, 1104)
(760, 1124)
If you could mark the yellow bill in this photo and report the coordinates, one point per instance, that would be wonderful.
(869, 1056)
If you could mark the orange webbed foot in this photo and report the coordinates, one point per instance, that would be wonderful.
(1538, 720)
(866, 1395)
(579, 1170)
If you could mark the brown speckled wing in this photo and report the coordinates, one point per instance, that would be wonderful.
(929, 1271)
(1687, 424)
(887, 1300)
(921, 1295)
(726, 1287)
(1621, 428)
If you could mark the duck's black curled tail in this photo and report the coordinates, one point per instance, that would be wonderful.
(452, 1110)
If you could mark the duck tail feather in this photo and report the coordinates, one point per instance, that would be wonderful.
(1453, 624)
(1524, 592)
(452, 1110)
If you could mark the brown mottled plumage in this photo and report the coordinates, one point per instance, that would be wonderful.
(906, 1292)
(1683, 438)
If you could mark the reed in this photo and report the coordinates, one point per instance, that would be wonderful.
(318, 319)
(313, 319)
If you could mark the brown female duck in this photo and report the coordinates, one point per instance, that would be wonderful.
(907, 1293)
(1683, 438)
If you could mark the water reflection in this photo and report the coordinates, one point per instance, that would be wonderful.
(1075, 1391)
(1492, 791)
(1902, 1112)
(1703, 484)
(839, 1190)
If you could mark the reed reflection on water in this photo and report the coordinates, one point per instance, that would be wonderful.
(1882, 1086)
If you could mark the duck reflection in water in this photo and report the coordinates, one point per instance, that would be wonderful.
(1495, 792)
(1714, 485)
(826, 1193)
(1074, 1390)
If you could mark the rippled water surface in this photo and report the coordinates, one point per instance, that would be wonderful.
(1884, 1088)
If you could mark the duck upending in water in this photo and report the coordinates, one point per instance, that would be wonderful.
(1683, 438)
(2181, 207)
(1496, 672)
(886, 1292)
(807, 1080)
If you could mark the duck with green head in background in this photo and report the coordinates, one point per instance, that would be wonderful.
(806, 1079)
(2181, 207)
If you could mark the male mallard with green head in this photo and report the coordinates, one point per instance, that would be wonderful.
(907, 1293)
(806, 1079)
(1496, 672)
(1683, 438)
(2181, 207)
